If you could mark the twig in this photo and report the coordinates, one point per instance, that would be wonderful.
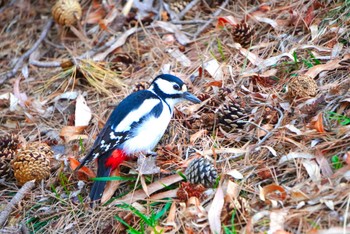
(44, 64)
(216, 13)
(271, 132)
(187, 8)
(15, 200)
(28, 53)
(248, 122)
(189, 21)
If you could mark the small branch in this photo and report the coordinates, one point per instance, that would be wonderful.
(187, 8)
(216, 13)
(46, 64)
(271, 132)
(15, 200)
(248, 122)
(188, 21)
(20, 61)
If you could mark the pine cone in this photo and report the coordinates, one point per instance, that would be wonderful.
(178, 6)
(243, 34)
(66, 12)
(9, 141)
(201, 171)
(6, 156)
(302, 87)
(32, 162)
(142, 85)
(229, 116)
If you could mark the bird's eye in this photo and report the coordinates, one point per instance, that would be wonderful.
(176, 87)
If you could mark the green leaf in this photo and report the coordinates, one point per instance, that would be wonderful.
(114, 178)
(163, 211)
(336, 163)
(180, 173)
(295, 57)
(131, 229)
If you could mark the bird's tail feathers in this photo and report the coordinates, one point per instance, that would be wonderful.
(99, 186)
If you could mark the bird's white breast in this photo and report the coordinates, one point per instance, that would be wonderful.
(148, 134)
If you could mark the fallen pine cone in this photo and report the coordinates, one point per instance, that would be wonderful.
(302, 87)
(201, 171)
(9, 141)
(6, 156)
(243, 34)
(66, 12)
(8, 149)
(230, 114)
(32, 163)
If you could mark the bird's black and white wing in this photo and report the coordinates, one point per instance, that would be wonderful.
(126, 117)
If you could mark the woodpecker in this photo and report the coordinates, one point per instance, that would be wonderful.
(136, 126)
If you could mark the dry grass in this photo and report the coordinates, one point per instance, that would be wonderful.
(316, 191)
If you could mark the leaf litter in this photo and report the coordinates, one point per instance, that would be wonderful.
(287, 63)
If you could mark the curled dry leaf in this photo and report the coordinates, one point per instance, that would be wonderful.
(69, 133)
(317, 123)
(193, 210)
(315, 70)
(82, 112)
(147, 165)
(170, 221)
(213, 68)
(272, 192)
(224, 20)
(294, 155)
(111, 186)
(235, 174)
(298, 196)
(232, 190)
(85, 170)
(313, 170)
(215, 209)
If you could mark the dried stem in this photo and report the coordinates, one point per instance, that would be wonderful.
(20, 61)
(216, 13)
(27, 187)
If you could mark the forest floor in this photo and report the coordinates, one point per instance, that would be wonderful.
(274, 122)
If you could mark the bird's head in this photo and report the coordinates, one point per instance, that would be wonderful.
(171, 89)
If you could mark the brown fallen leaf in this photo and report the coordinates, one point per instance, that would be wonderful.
(326, 168)
(152, 188)
(315, 70)
(272, 192)
(215, 209)
(69, 133)
(85, 170)
(111, 186)
(317, 123)
(226, 20)
(170, 221)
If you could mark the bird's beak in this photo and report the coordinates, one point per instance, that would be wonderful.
(190, 97)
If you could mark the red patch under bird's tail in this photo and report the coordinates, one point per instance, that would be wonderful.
(106, 164)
